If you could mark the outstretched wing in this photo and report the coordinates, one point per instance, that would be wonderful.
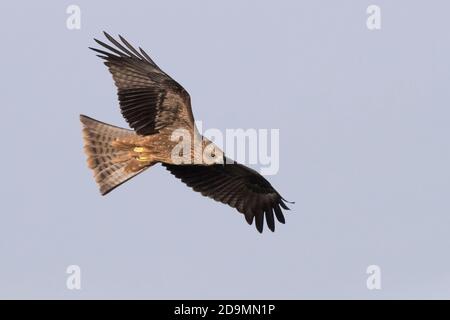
(238, 186)
(149, 99)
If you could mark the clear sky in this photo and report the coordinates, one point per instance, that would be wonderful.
(364, 151)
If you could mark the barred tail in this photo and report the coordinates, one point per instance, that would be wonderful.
(111, 165)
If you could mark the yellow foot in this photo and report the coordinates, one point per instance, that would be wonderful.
(138, 149)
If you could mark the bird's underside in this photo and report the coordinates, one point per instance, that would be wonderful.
(155, 106)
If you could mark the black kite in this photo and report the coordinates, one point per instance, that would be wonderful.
(155, 105)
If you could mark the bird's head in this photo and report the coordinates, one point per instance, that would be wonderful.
(212, 154)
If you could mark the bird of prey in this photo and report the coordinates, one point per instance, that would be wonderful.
(155, 106)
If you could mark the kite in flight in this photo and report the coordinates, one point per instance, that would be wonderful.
(155, 106)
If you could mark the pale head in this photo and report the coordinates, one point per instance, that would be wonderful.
(211, 154)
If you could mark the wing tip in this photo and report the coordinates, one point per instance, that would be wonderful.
(291, 202)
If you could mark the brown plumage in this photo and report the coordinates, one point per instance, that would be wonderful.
(156, 106)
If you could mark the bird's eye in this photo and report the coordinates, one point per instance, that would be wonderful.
(213, 155)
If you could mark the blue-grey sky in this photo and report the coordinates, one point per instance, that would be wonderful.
(364, 151)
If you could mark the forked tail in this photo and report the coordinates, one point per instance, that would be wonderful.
(111, 160)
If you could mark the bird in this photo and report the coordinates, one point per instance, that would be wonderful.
(155, 106)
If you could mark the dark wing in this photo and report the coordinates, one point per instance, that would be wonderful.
(149, 99)
(236, 185)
